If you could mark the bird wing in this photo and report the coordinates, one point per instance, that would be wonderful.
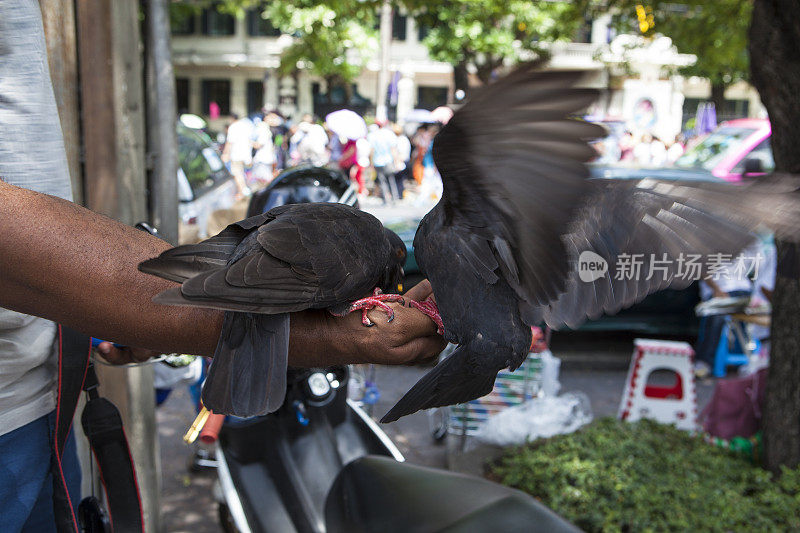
(657, 234)
(512, 167)
(304, 256)
(186, 261)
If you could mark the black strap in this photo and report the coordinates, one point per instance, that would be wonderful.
(73, 356)
(103, 427)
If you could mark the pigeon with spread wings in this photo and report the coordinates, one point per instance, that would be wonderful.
(291, 258)
(502, 245)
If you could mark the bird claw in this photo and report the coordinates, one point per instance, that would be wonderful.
(376, 300)
(429, 308)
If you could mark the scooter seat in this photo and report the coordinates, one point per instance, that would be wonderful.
(378, 494)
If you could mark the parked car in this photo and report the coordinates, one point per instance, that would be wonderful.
(204, 183)
(736, 148)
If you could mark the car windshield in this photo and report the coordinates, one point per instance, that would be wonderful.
(714, 148)
(198, 158)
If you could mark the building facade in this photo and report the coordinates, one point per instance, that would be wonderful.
(225, 65)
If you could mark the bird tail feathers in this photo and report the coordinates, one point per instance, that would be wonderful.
(450, 382)
(248, 374)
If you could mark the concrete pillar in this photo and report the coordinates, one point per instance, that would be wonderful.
(406, 94)
(271, 97)
(238, 94)
(194, 96)
(305, 100)
(288, 96)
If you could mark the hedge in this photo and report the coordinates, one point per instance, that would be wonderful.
(645, 476)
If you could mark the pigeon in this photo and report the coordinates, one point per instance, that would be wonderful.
(503, 246)
(291, 258)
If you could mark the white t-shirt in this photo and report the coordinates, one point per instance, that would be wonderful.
(32, 155)
(239, 140)
(263, 137)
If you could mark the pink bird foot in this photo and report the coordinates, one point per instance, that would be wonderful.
(429, 308)
(376, 300)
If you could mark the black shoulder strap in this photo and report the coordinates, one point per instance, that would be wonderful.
(103, 427)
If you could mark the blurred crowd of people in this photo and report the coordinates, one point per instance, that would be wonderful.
(388, 161)
(643, 150)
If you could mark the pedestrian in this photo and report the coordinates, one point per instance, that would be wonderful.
(264, 156)
(363, 151)
(676, 149)
(728, 278)
(658, 152)
(347, 159)
(641, 152)
(238, 151)
(402, 160)
(384, 152)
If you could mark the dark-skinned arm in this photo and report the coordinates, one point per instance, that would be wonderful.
(78, 268)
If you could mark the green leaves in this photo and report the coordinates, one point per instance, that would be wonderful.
(487, 33)
(332, 39)
(617, 476)
(716, 32)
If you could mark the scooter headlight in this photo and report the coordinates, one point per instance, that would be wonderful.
(318, 385)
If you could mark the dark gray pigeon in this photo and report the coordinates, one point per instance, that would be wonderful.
(292, 258)
(501, 247)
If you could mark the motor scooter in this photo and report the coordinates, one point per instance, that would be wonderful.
(321, 464)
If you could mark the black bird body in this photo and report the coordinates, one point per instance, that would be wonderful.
(501, 247)
(482, 311)
(292, 258)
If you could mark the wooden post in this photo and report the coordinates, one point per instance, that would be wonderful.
(59, 31)
(113, 119)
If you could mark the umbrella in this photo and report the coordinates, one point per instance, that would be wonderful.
(419, 115)
(346, 123)
(442, 114)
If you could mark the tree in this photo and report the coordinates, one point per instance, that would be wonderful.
(333, 38)
(716, 32)
(485, 34)
(775, 66)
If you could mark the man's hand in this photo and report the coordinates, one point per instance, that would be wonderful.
(124, 354)
(320, 339)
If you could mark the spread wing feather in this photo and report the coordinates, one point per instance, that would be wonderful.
(511, 165)
(671, 230)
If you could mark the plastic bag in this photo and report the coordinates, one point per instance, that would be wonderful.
(536, 418)
(550, 369)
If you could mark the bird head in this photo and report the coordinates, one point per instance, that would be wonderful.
(393, 275)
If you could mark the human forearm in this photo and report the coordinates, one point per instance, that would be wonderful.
(78, 268)
(70, 265)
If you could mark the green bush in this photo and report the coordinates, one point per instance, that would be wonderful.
(645, 476)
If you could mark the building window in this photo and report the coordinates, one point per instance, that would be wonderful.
(431, 97)
(399, 27)
(422, 30)
(258, 26)
(182, 22)
(182, 94)
(584, 33)
(218, 91)
(255, 95)
(216, 23)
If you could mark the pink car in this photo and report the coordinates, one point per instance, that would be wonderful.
(735, 148)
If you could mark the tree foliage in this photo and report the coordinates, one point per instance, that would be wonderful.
(619, 476)
(716, 32)
(488, 33)
(333, 39)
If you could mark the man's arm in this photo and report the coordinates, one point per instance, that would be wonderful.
(73, 266)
